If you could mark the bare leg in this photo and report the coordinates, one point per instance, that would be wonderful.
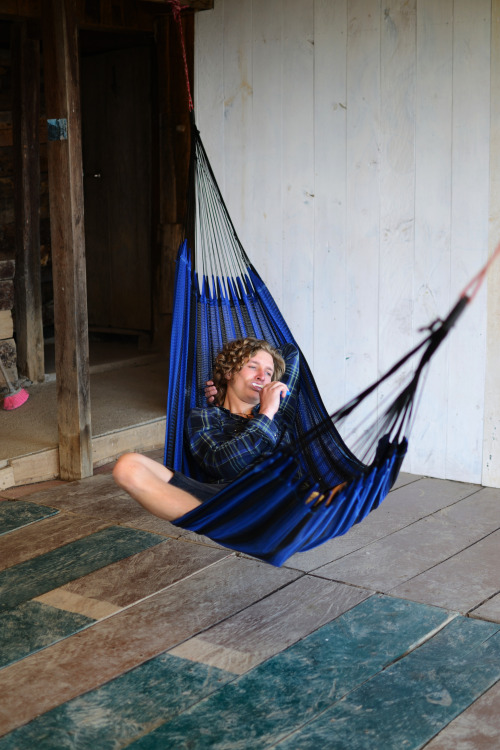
(147, 481)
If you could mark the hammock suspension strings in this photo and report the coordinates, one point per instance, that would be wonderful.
(219, 254)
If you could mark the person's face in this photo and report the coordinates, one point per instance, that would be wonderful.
(248, 382)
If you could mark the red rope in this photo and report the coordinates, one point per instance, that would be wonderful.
(177, 9)
(474, 284)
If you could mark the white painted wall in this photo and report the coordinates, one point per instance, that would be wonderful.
(352, 142)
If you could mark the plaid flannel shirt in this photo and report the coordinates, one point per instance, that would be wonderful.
(224, 444)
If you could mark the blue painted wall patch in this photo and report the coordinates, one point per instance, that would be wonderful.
(57, 130)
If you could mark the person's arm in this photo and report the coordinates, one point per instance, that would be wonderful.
(285, 416)
(223, 455)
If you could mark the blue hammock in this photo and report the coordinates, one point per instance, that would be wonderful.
(268, 512)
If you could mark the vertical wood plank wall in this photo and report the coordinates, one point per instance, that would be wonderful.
(491, 444)
(351, 140)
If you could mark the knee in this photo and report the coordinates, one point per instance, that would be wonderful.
(125, 470)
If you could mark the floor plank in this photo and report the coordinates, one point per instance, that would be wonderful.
(100, 497)
(408, 703)
(261, 707)
(136, 577)
(461, 582)
(477, 728)
(21, 513)
(418, 547)
(401, 508)
(24, 544)
(32, 626)
(107, 649)
(52, 569)
(490, 610)
(248, 638)
(63, 611)
(122, 710)
(96, 496)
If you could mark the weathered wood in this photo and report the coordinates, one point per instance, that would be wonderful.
(6, 326)
(8, 355)
(141, 438)
(174, 116)
(6, 294)
(36, 467)
(171, 237)
(6, 136)
(27, 280)
(174, 145)
(330, 76)
(6, 477)
(470, 165)
(491, 458)
(44, 465)
(61, 66)
(269, 626)
(192, 605)
(476, 727)
(7, 268)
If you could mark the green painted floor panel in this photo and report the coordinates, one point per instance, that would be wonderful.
(361, 681)
(46, 572)
(122, 710)
(15, 515)
(265, 705)
(403, 707)
(32, 626)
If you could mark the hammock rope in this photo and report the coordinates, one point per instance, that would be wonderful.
(177, 9)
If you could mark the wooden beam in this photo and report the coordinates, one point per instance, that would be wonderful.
(174, 147)
(26, 141)
(64, 154)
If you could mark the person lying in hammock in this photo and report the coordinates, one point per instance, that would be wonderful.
(254, 402)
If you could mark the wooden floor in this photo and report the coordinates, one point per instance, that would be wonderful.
(118, 629)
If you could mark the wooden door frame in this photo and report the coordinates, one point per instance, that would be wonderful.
(64, 153)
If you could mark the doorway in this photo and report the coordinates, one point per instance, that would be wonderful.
(116, 101)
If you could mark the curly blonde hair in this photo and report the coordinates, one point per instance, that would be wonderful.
(233, 356)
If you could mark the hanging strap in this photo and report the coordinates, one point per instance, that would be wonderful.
(177, 9)
(474, 284)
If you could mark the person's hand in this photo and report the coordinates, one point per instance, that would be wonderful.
(270, 398)
(210, 391)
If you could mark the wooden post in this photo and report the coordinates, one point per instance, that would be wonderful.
(174, 147)
(64, 152)
(26, 142)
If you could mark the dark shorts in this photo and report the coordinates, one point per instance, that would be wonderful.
(200, 490)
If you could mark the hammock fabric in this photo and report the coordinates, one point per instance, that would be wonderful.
(271, 512)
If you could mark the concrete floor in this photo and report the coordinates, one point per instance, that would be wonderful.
(119, 629)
